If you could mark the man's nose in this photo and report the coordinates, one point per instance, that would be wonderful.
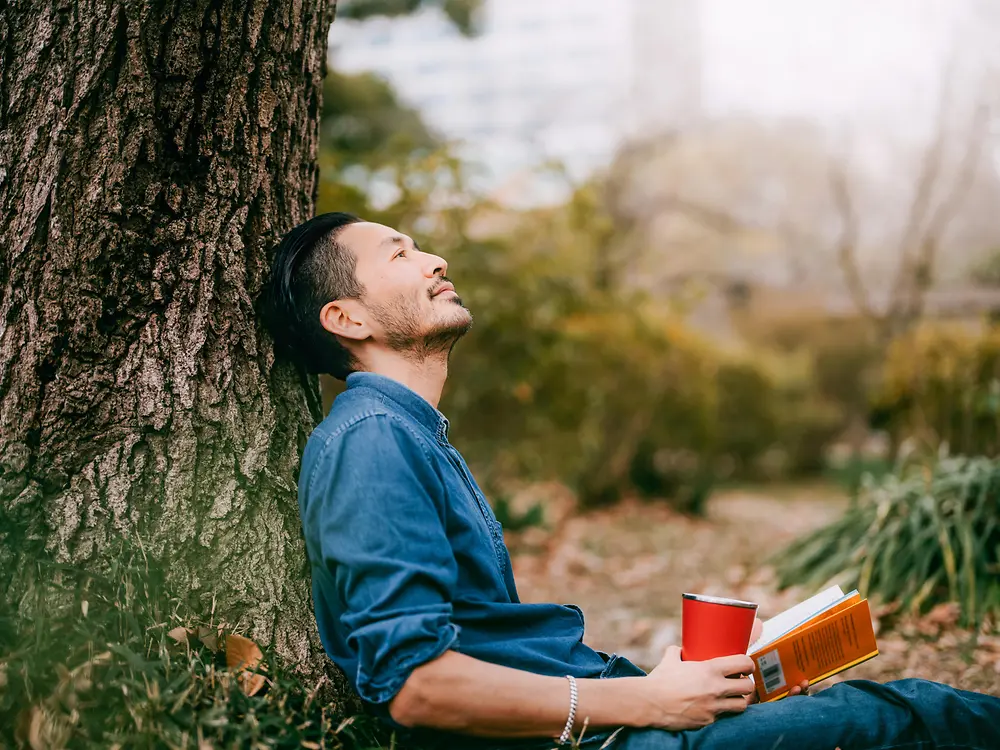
(436, 265)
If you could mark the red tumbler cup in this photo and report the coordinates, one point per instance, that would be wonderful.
(712, 626)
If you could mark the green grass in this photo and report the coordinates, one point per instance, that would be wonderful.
(922, 536)
(85, 661)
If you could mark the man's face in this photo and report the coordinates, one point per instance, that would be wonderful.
(410, 304)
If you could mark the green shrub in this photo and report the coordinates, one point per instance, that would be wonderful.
(843, 354)
(86, 661)
(941, 385)
(920, 537)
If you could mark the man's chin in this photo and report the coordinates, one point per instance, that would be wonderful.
(462, 323)
(457, 324)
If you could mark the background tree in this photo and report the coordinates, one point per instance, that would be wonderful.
(934, 205)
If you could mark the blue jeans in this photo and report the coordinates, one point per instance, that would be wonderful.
(853, 715)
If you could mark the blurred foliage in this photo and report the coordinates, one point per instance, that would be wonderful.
(941, 387)
(365, 124)
(513, 520)
(843, 354)
(88, 661)
(920, 537)
(852, 473)
(570, 373)
(463, 13)
(987, 270)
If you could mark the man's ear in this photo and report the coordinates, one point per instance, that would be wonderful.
(343, 317)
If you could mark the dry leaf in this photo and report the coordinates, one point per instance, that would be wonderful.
(242, 653)
(179, 634)
(84, 607)
(209, 637)
(939, 618)
(251, 683)
(889, 608)
(945, 614)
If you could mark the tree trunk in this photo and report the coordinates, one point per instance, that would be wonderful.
(152, 153)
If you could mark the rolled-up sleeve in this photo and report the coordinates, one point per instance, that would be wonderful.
(378, 506)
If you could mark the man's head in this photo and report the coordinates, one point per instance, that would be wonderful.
(343, 290)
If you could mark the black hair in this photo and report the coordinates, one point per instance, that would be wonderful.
(309, 269)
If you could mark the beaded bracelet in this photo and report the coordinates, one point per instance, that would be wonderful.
(574, 700)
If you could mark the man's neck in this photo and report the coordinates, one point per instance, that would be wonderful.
(425, 376)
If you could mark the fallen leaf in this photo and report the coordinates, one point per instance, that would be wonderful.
(84, 607)
(251, 683)
(179, 634)
(242, 653)
(209, 637)
(938, 619)
(945, 614)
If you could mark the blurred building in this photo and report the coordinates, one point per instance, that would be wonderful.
(545, 79)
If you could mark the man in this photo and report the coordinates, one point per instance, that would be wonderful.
(412, 583)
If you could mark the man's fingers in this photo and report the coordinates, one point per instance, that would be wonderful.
(736, 686)
(731, 705)
(672, 654)
(738, 664)
(801, 689)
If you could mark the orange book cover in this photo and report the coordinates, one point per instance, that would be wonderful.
(836, 639)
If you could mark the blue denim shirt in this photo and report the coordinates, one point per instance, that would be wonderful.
(408, 560)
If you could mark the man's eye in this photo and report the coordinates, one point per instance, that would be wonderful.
(399, 254)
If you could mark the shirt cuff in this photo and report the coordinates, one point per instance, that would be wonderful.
(389, 663)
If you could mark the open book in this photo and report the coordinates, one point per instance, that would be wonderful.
(818, 638)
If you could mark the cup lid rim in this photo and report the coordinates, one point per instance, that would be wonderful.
(720, 600)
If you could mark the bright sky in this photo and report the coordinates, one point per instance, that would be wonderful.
(868, 60)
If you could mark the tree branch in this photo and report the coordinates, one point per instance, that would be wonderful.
(964, 180)
(847, 244)
(910, 241)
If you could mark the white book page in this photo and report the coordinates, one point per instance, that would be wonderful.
(791, 618)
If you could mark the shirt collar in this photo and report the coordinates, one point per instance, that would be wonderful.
(405, 398)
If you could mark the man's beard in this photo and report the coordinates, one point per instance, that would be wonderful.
(400, 319)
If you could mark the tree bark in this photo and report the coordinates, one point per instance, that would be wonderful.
(151, 153)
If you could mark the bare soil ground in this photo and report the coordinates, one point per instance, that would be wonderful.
(628, 566)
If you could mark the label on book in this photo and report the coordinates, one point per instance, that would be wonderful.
(834, 640)
(771, 672)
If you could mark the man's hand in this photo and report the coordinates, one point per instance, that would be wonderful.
(691, 694)
(801, 689)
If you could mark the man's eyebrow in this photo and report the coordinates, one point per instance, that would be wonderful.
(399, 239)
